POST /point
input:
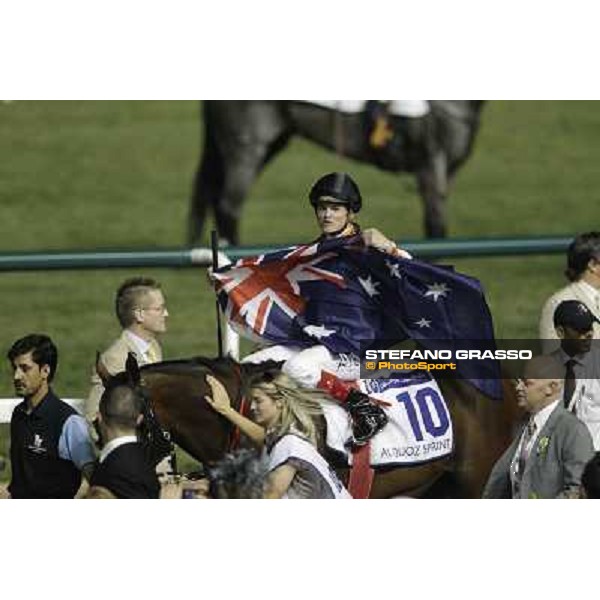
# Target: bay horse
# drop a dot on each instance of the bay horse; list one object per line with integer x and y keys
{"x": 241, "y": 137}
{"x": 174, "y": 393}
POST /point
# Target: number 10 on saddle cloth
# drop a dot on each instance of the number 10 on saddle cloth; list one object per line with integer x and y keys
{"x": 419, "y": 428}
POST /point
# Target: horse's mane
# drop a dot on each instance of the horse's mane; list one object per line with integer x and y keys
{"x": 200, "y": 364}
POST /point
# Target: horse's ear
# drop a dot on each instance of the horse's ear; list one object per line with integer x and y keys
{"x": 132, "y": 368}
{"x": 101, "y": 369}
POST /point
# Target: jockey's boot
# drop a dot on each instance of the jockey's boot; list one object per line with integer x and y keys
{"x": 368, "y": 418}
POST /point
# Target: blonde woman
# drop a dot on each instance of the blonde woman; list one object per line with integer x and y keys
{"x": 284, "y": 429}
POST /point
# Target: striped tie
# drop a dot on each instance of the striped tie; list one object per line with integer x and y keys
{"x": 524, "y": 454}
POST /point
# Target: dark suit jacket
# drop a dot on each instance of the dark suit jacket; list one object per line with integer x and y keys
{"x": 127, "y": 473}
{"x": 555, "y": 464}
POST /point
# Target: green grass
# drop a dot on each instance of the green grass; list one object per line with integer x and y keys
{"x": 84, "y": 175}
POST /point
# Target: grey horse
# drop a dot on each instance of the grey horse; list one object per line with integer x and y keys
{"x": 242, "y": 136}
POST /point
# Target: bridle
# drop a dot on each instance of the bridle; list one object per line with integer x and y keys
{"x": 154, "y": 438}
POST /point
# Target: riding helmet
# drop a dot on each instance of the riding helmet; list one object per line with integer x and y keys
{"x": 339, "y": 187}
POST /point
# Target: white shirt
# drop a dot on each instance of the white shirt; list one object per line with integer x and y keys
{"x": 594, "y": 295}
{"x": 290, "y": 447}
{"x": 539, "y": 419}
{"x": 114, "y": 444}
{"x": 585, "y": 402}
{"x": 140, "y": 343}
{"x": 578, "y": 290}
{"x": 143, "y": 346}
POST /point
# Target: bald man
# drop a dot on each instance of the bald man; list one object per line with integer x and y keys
{"x": 122, "y": 467}
{"x": 547, "y": 458}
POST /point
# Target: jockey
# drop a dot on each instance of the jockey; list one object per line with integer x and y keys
{"x": 336, "y": 200}
{"x": 379, "y": 116}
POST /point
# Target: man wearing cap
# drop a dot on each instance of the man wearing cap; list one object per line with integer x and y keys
{"x": 547, "y": 458}
{"x": 583, "y": 271}
{"x": 580, "y": 357}
{"x": 336, "y": 200}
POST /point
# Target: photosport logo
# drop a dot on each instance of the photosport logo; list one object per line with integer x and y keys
{"x": 456, "y": 359}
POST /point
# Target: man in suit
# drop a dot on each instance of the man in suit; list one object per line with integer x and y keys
{"x": 122, "y": 467}
{"x": 580, "y": 359}
{"x": 548, "y": 456}
{"x": 142, "y": 312}
{"x": 583, "y": 271}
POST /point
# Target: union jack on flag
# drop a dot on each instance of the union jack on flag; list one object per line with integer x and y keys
{"x": 261, "y": 296}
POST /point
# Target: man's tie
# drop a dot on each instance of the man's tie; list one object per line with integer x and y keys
{"x": 151, "y": 354}
{"x": 524, "y": 454}
{"x": 569, "y": 387}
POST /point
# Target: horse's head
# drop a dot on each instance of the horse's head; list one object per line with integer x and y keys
{"x": 156, "y": 440}
{"x": 174, "y": 406}
{"x": 176, "y": 392}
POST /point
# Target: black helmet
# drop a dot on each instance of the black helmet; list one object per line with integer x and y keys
{"x": 338, "y": 187}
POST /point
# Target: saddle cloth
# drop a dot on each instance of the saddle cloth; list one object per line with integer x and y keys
{"x": 401, "y": 108}
{"x": 419, "y": 428}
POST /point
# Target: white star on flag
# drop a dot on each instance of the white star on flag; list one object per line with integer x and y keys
{"x": 437, "y": 290}
{"x": 423, "y": 323}
{"x": 369, "y": 286}
{"x": 318, "y": 332}
{"x": 394, "y": 269}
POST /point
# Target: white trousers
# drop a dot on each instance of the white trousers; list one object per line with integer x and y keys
{"x": 408, "y": 108}
{"x": 305, "y": 365}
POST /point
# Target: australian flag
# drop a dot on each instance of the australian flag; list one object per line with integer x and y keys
{"x": 348, "y": 297}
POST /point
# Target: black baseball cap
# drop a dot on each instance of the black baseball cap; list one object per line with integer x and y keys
{"x": 574, "y": 314}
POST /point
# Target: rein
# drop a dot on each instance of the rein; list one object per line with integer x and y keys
{"x": 158, "y": 439}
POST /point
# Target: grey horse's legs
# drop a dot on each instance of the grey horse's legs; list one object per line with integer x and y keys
{"x": 240, "y": 172}
{"x": 207, "y": 186}
{"x": 433, "y": 187}
{"x": 208, "y": 181}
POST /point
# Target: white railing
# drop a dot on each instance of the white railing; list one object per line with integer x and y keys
{"x": 7, "y": 405}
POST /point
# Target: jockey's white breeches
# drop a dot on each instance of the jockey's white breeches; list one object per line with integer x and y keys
{"x": 408, "y": 108}
{"x": 305, "y": 365}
